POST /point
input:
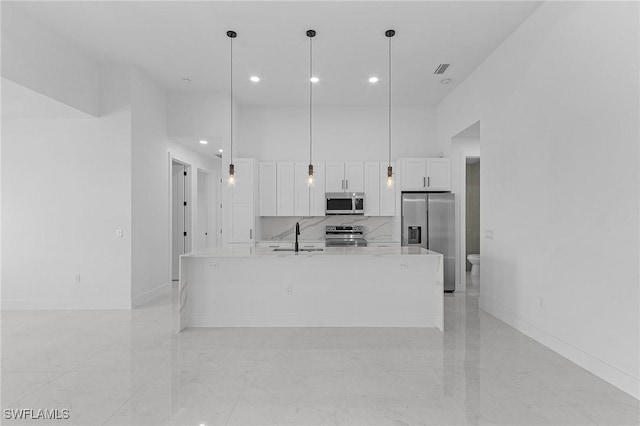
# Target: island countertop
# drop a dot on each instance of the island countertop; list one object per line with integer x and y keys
{"x": 244, "y": 251}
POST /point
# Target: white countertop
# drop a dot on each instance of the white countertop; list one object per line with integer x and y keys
{"x": 244, "y": 251}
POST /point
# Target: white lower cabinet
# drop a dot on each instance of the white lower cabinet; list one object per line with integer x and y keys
{"x": 274, "y": 244}
{"x": 310, "y": 244}
{"x": 381, "y": 244}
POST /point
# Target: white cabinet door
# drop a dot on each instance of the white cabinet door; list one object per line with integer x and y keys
{"x": 414, "y": 174}
{"x": 285, "y": 196}
{"x": 267, "y": 189}
{"x": 242, "y": 223}
{"x": 439, "y": 174}
{"x": 334, "y": 179}
{"x": 387, "y": 195}
{"x": 242, "y": 202}
{"x": 301, "y": 187}
{"x": 243, "y": 188}
{"x": 372, "y": 189}
{"x": 354, "y": 177}
{"x": 317, "y": 201}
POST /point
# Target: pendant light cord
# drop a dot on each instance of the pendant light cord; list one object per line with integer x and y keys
{"x": 231, "y": 103}
{"x": 389, "y": 101}
{"x": 310, "y": 98}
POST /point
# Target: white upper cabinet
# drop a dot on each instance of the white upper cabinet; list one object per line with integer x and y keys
{"x": 439, "y": 174}
{"x": 317, "y": 199}
{"x": 242, "y": 202}
{"x": 414, "y": 177}
{"x": 268, "y": 189}
{"x": 344, "y": 177}
{"x": 425, "y": 174}
{"x": 242, "y": 190}
{"x": 372, "y": 189}
{"x": 387, "y": 195}
{"x": 354, "y": 177}
{"x": 301, "y": 190}
{"x": 334, "y": 178}
{"x": 285, "y": 193}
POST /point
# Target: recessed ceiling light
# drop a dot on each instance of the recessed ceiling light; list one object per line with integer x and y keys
{"x": 203, "y": 142}
{"x": 254, "y": 78}
{"x": 186, "y": 80}
{"x": 446, "y": 81}
{"x": 373, "y": 79}
{"x": 314, "y": 79}
{"x": 220, "y": 150}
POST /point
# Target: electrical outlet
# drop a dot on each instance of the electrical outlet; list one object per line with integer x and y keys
{"x": 119, "y": 233}
{"x": 488, "y": 234}
{"x": 290, "y": 290}
{"x": 213, "y": 265}
{"x": 404, "y": 265}
{"x": 78, "y": 278}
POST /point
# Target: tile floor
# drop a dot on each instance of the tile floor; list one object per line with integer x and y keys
{"x": 128, "y": 368}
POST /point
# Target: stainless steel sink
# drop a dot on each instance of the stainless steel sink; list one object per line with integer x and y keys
{"x": 302, "y": 249}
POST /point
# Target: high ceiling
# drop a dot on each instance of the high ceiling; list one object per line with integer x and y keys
{"x": 173, "y": 40}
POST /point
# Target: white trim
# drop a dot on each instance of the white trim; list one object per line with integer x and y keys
{"x": 65, "y": 304}
{"x": 148, "y": 296}
{"x": 589, "y": 362}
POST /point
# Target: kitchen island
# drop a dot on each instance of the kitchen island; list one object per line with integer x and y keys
{"x": 335, "y": 287}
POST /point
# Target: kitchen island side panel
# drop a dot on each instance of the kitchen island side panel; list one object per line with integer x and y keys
{"x": 312, "y": 291}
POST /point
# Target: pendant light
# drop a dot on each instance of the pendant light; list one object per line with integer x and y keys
{"x": 311, "y": 34}
{"x": 232, "y": 176}
{"x": 389, "y": 34}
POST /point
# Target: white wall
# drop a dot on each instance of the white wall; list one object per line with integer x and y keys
{"x": 340, "y": 133}
{"x": 558, "y": 106}
{"x": 149, "y": 198}
{"x": 66, "y": 188}
{"x": 41, "y": 60}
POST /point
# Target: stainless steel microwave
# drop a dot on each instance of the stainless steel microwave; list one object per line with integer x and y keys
{"x": 345, "y": 203}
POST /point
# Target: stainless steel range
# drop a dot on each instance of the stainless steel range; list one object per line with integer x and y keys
{"x": 344, "y": 236}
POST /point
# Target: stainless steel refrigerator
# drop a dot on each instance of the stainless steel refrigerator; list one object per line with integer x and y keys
{"x": 428, "y": 220}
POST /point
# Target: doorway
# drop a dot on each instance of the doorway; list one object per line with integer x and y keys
{"x": 472, "y": 225}
{"x": 180, "y": 214}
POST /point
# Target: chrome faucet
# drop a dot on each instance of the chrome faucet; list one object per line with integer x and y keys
{"x": 297, "y": 233}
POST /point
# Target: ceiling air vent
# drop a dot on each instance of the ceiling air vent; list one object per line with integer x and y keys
{"x": 441, "y": 69}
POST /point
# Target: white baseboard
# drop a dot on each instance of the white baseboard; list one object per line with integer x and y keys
{"x": 64, "y": 304}
{"x": 591, "y": 363}
{"x": 150, "y": 295}
{"x": 208, "y": 320}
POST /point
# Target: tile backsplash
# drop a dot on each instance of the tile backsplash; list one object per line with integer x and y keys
{"x": 312, "y": 228}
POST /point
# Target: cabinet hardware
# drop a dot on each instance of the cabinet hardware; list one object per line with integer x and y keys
{"x": 347, "y": 183}
{"x": 428, "y": 181}
{"x": 342, "y": 183}
{"x": 251, "y": 234}
{"x": 424, "y": 181}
